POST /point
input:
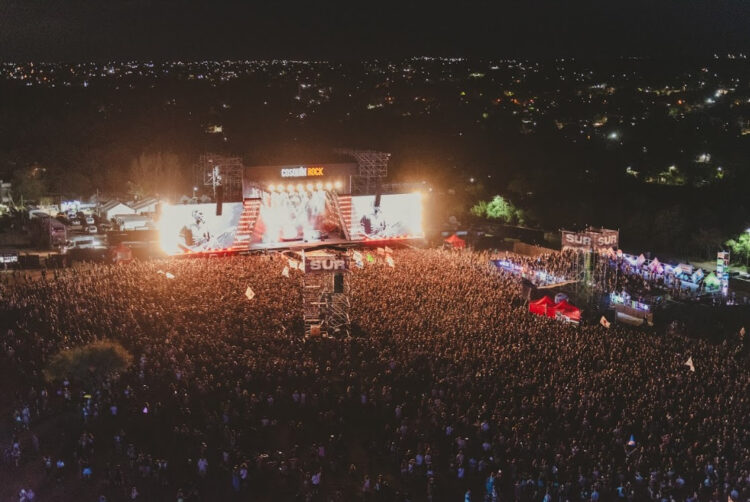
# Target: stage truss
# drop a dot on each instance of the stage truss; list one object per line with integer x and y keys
{"x": 325, "y": 307}
{"x": 373, "y": 168}
{"x": 219, "y": 170}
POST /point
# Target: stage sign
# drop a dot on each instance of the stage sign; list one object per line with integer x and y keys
{"x": 591, "y": 239}
{"x": 326, "y": 264}
{"x": 302, "y": 171}
{"x": 263, "y": 176}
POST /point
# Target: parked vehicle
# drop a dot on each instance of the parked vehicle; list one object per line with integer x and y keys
{"x": 84, "y": 242}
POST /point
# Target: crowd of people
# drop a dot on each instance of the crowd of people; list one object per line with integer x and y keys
{"x": 448, "y": 390}
{"x": 608, "y": 274}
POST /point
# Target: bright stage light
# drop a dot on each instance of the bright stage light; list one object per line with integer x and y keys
{"x": 329, "y": 185}
{"x": 309, "y": 187}
{"x": 319, "y": 185}
{"x": 299, "y": 187}
{"x": 338, "y": 184}
{"x": 272, "y": 187}
{"x": 290, "y": 188}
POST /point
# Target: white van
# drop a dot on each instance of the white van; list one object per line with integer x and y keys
{"x": 85, "y": 242}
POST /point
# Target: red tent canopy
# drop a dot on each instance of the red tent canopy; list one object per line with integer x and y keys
{"x": 542, "y": 306}
{"x": 568, "y": 310}
{"x": 122, "y": 254}
{"x": 456, "y": 241}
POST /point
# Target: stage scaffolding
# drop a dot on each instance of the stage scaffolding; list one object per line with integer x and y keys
{"x": 325, "y": 295}
{"x": 373, "y": 168}
{"x": 219, "y": 170}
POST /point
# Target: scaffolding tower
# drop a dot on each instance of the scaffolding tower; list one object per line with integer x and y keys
{"x": 218, "y": 170}
{"x": 373, "y": 168}
{"x": 325, "y": 295}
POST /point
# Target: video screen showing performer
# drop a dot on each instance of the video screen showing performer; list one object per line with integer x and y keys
{"x": 397, "y": 216}
{"x": 295, "y": 216}
{"x": 196, "y": 227}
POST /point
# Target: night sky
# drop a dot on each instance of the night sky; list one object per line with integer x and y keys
{"x": 77, "y": 30}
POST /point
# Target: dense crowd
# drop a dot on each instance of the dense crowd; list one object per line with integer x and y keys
{"x": 543, "y": 269}
{"x": 448, "y": 391}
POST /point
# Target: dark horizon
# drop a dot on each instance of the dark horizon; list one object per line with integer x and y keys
{"x": 78, "y": 30}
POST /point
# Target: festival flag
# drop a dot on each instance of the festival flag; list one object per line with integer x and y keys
{"x": 249, "y": 293}
{"x": 285, "y": 272}
{"x": 641, "y": 260}
{"x": 169, "y": 275}
{"x": 292, "y": 263}
{"x": 689, "y": 363}
{"x": 604, "y": 322}
{"x": 160, "y": 272}
{"x": 370, "y": 258}
{"x": 389, "y": 261}
{"x": 381, "y": 251}
{"x": 388, "y": 250}
{"x": 357, "y": 257}
{"x": 631, "y": 441}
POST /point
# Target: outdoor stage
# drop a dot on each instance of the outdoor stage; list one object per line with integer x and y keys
{"x": 291, "y": 207}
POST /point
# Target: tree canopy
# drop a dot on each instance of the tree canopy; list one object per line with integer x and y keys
{"x": 89, "y": 363}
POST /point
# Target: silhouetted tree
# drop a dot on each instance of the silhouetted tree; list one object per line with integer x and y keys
{"x": 89, "y": 364}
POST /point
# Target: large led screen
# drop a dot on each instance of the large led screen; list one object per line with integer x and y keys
{"x": 295, "y": 216}
{"x": 398, "y": 216}
{"x": 196, "y": 227}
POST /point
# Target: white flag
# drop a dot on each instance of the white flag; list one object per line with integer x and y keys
{"x": 285, "y": 272}
{"x": 388, "y": 250}
{"x": 689, "y": 364}
{"x": 249, "y": 293}
{"x": 389, "y": 261}
{"x": 169, "y": 275}
{"x": 604, "y": 322}
{"x": 161, "y": 272}
{"x": 381, "y": 251}
{"x": 357, "y": 256}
